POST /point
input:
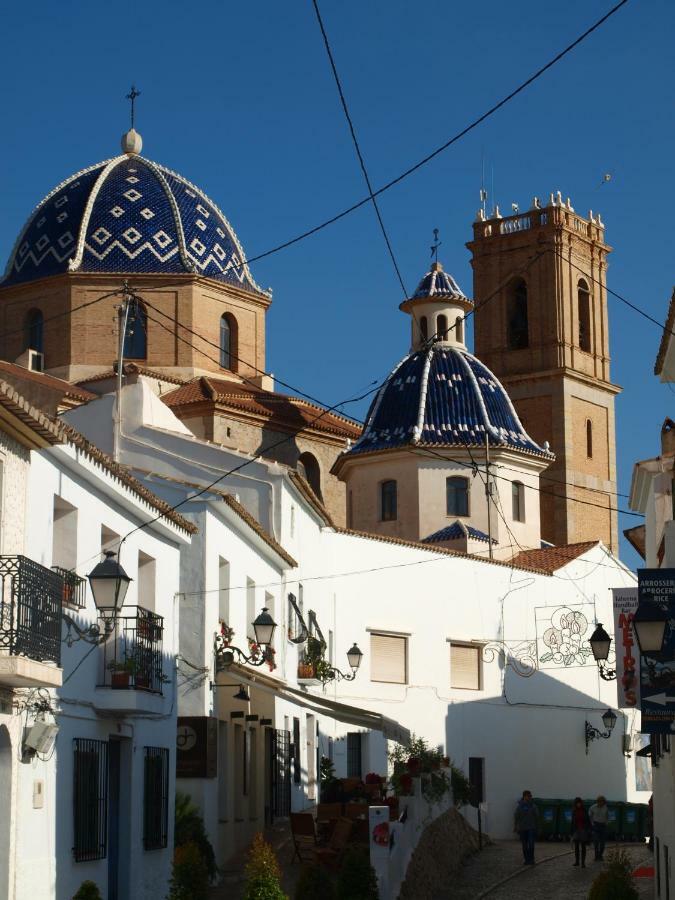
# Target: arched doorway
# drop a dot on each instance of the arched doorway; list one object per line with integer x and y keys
{"x": 6, "y": 817}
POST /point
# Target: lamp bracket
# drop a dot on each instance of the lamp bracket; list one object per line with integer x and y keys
{"x": 592, "y": 733}
{"x": 605, "y": 672}
{"x": 226, "y": 654}
{"x": 91, "y": 634}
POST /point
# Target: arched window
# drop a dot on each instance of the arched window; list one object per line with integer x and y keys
{"x": 136, "y": 334}
{"x": 308, "y": 467}
{"x": 457, "y": 496}
{"x": 459, "y": 329}
{"x": 229, "y": 342}
{"x": 424, "y": 328}
{"x": 442, "y": 328}
{"x": 518, "y": 501}
{"x": 35, "y": 330}
{"x": 589, "y": 439}
{"x": 584, "y": 310}
{"x": 388, "y": 501}
{"x": 516, "y": 316}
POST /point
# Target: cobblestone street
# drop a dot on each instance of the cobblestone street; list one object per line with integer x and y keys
{"x": 553, "y": 878}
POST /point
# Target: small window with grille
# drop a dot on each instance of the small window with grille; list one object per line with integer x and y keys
{"x": 155, "y": 798}
{"x": 90, "y": 801}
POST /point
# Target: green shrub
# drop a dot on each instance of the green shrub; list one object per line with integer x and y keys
{"x": 356, "y": 878}
{"x": 263, "y": 875}
{"x": 461, "y": 786}
{"x": 87, "y": 891}
{"x": 315, "y": 882}
{"x": 189, "y": 829}
{"x": 616, "y": 881}
{"x": 189, "y": 875}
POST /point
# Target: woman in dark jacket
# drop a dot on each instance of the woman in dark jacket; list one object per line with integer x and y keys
{"x": 581, "y": 831}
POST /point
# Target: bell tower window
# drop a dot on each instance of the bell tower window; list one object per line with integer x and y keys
{"x": 516, "y": 312}
{"x": 584, "y": 311}
{"x": 388, "y": 501}
{"x": 518, "y": 501}
{"x": 424, "y": 328}
{"x": 457, "y": 496}
{"x": 459, "y": 329}
{"x": 136, "y": 333}
{"x": 35, "y": 330}
{"x": 308, "y": 467}
{"x": 228, "y": 342}
{"x": 589, "y": 439}
{"x": 442, "y": 328}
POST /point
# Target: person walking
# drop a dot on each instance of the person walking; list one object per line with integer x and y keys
{"x": 581, "y": 831}
{"x": 525, "y": 822}
{"x": 598, "y": 814}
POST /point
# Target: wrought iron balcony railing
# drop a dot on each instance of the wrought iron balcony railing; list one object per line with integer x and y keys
{"x": 74, "y": 588}
{"x": 30, "y": 609}
{"x": 132, "y": 655}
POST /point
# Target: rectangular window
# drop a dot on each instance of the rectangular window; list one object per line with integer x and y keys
{"x": 250, "y": 608}
{"x": 155, "y": 798}
{"x": 465, "y": 667}
{"x": 388, "y": 658}
{"x": 90, "y": 799}
{"x": 146, "y": 581}
{"x": 297, "y": 771}
{"x": 477, "y": 778}
{"x": 224, "y": 590}
{"x": 110, "y": 540}
{"x": 388, "y": 501}
{"x": 457, "y": 496}
{"x": 518, "y": 501}
{"x": 64, "y": 535}
{"x": 350, "y": 510}
{"x": 246, "y": 762}
{"x": 354, "y": 766}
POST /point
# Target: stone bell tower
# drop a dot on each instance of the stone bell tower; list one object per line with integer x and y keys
{"x": 541, "y": 326}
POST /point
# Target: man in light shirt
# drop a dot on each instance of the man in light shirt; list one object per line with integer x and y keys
{"x": 598, "y": 814}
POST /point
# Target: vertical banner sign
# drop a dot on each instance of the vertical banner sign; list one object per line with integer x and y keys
{"x": 657, "y": 671}
{"x": 627, "y": 653}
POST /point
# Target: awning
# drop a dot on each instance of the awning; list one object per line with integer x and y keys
{"x": 352, "y": 715}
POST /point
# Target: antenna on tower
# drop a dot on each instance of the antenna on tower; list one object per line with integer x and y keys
{"x": 436, "y": 244}
{"x": 483, "y": 192}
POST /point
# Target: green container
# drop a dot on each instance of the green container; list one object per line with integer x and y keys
{"x": 631, "y": 822}
{"x": 613, "y": 821}
{"x": 565, "y": 808}
{"x": 548, "y": 819}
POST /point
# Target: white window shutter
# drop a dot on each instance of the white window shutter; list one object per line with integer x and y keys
{"x": 388, "y": 658}
{"x": 465, "y": 667}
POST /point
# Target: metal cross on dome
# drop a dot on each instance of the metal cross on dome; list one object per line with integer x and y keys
{"x": 132, "y": 97}
{"x": 436, "y": 244}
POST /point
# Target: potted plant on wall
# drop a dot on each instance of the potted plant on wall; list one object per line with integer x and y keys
{"x": 121, "y": 672}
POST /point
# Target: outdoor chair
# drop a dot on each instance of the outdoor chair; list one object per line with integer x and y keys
{"x": 304, "y": 837}
{"x": 331, "y": 855}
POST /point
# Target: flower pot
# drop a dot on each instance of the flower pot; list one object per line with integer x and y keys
{"x": 305, "y": 670}
{"x": 142, "y": 681}
{"x": 119, "y": 679}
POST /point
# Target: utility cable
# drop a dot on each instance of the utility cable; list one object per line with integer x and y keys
{"x": 362, "y": 163}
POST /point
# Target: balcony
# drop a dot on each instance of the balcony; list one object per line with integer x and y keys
{"x": 132, "y": 677}
{"x": 74, "y": 592}
{"x": 30, "y": 623}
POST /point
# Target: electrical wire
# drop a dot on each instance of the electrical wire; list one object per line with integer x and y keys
{"x": 355, "y": 141}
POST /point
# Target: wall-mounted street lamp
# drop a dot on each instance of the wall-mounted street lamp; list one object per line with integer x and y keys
{"x": 592, "y": 733}
{"x": 261, "y": 651}
{"x": 354, "y": 658}
{"x": 649, "y": 625}
{"x": 109, "y": 585}
{"x": 600, "y": 643}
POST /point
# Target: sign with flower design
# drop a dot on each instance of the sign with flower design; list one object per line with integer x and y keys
{"x": 563, "y": 634}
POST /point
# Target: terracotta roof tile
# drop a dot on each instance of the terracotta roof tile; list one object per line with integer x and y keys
{"x": 69, "y": 390}
{"x": 132, "y": 369}
{"x": 253, "y": 523}
{"x": 668, "y": 329}
{"x": 283, "y": 410}
{"x": 55, "y": 431}
{"x": 306, "y": 490}
{"x": 551, "y": 558}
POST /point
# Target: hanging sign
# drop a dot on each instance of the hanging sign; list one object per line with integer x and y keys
{"x": 657, "y": 672}
{"x": 627, "y": 662}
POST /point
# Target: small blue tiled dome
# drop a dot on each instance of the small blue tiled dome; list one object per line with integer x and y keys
{"x": 457, "y": 531}
{"x": 439, "y": 285}
{"x": 443, "y": 396}
{"x": 128, "y": 215}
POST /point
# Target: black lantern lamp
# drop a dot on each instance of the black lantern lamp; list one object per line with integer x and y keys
{"x": 354, "y": 657}
{"x": 591, "y": 733}
{"x": 649, "y": 625}
{"x": 109, "y": 584}
{"x": 260, "y": 650}
{"x": 600, "y": 643}
{"x": 242, "y": 694}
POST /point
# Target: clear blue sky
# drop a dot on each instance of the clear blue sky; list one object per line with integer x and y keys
{"x": 239, "y": 98}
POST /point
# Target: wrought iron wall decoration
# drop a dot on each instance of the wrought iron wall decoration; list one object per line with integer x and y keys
{"x": 521, "y": 656}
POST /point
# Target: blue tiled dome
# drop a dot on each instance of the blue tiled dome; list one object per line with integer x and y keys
{"x": 455, "y": 532}
{"x": 440, "y": 285}
{"x": 128, "y": 215}
{"x": 443, "y": 396}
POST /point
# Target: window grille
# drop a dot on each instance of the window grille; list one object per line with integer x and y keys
{"x": 354, "y": 769}
{"x": 280, "y": 761}
{"x": 465, "y": 667}
{"x": 90, "y": 799}
{"x": 388, "y": 658}
{"x": 155, "y": 798}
